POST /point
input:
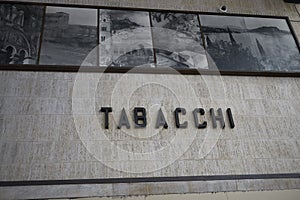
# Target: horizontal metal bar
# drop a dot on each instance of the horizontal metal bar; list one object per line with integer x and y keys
{"x": 149, "y": 179}
{"x": 143, "y": 70}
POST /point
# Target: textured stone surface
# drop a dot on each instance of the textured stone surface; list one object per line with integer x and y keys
{"x": 90, "y": 193}
{"x": 40, "y": 140}
{"x": 257, "y": 7}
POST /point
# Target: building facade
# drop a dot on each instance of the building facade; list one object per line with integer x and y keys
{"x": 187, "y": 99}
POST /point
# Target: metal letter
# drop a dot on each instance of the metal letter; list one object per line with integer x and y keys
{"x": 183, "y": 112}
{"x": 138, "y": 118}
{"x": 106, "y": 110}
{"x": 230, "y": 117}
{"x": 161, "y": 121}
{"x": 123, "y": 120}
{"x": 219, "y": 118}
{"x": 202, "y": 112}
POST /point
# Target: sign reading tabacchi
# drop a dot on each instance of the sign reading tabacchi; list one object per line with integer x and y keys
{"x": 140, "y": 118}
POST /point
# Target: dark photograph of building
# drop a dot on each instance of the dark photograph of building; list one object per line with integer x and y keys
{"x": 249, "y": 44}
{"x": 70, "y": 34}
{"x": 20, "y": 29}
{"x": 177, "y": 40}
{"x": 125, "y": 38}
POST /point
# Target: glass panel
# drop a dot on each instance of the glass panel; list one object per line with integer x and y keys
{"x": 126, "y": 39}
{"x": 20, "y": 29}
{"x": 249, "y": 44}
{"x": 228, "y": 43}
{"x": 70, "y": 34}
{"x": 273, "y": 44}
{"x": 177, "y": 40}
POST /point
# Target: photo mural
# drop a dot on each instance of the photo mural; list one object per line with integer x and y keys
{"x": 125, "y": 38}
{"x": 177, "y": 40}
{"x": 65, "y": 36}
{"x": 275, "y": 48}
{"x": 20, "y": 29}
{"x": 250, "y": 44}
{"x": 69, "y": 35}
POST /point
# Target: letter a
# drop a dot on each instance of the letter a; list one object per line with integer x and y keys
{"x": 123, "y": 120}
{"x": 161, "y": 121}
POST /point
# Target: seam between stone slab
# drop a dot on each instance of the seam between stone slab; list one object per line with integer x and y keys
{"x": 149, "y": 179}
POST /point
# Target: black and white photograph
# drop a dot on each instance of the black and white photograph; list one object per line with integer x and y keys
{"x": 249, "y": 44}
{"x": 228, "y": 43}
{"x": 273, "y": 44}
{"x": 70, "y": 34}
{"x": 177, "y": 40}
{"x": 20, "y": 30}
{"x": 125, "y": 38}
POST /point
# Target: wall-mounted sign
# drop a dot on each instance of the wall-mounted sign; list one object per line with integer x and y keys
{"x": 140, "y": 118}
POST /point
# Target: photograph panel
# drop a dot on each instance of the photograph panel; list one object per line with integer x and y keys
{"x": 228, "y": 43}
{"x": 125, "y": 38}
{"x": 20, "y": 30}
{"x": 249, "y": 43}
{"x": 177, "y": 40}
{"x": 273, "y": 44}
{"x": 70, "y": 34}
